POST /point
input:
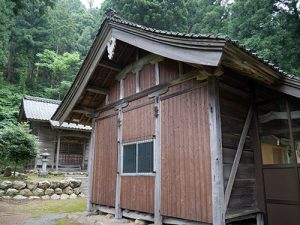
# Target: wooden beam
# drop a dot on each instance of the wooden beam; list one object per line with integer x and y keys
{"x": 110, "y": 65}
{"x": 238, "y": 155}
{"x": 57, "y": 151}
{"x": 278, "y": 116}
{"x": 137, "y": 65}
{"x": 97, "y": 90}
{"x": 218, "y": 212}
{"x": 90, "y": 167}
{"x": 185, "y": 77}
{"x": 157, "y": 162}
{"x": 118, "y": 210}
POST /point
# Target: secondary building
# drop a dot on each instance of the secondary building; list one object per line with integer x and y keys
{"x": 187, "y": 128}
{"x": 67, "y": 144}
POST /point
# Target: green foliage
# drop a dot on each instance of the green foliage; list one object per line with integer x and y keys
{"x": 17, "y": 145}
{"x": 10, "y": 98}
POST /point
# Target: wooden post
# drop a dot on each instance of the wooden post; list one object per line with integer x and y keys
{"x": 83, "y": 155}
{"x": 157, "y": 73}
{"x": 90, "y": 167}
{"x": 118, "y": 213}
{"x": 157, "y": 162}
{"x": 218, "y": 212}
{"x": 259, "y": 219}
{"x": 57, "y": 151}
{"x": 237, "y": 157}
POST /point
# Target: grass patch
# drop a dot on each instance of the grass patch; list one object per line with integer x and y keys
{"x": 39, "y": 208}
{"x": 33, "y": 177}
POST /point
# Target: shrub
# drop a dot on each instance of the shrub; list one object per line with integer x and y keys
{"x": 17, "y": 144}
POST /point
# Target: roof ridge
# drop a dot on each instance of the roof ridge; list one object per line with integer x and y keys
{"x": 112, "y": 15}
{"x": 40, "y": 99}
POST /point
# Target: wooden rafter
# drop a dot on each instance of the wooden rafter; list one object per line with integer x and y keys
{"x": 111, "y": 65}
{"x": 97, "y": 90}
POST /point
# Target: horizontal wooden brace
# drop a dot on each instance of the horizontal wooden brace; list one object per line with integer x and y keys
{"x": 83, "y": 110}
{"x": 97, "y": 90}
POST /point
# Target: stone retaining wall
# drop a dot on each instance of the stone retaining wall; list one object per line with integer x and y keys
{"x": 20, "y": 190}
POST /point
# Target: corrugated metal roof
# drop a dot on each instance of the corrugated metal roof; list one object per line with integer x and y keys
{"x": 42, "y": 109}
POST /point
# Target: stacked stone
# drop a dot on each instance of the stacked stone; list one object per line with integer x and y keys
{"x": 20, "y": 190}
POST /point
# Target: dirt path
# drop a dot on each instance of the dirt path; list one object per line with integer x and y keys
{"x": 11, "y": 214}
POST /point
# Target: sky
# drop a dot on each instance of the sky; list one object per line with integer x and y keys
{"x": 96, "y": 4}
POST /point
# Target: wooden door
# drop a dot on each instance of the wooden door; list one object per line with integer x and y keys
{"x": 279, "y": 123}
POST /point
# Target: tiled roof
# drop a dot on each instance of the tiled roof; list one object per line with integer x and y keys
{"x": 112, "y": 16}
{"x": 42, "y": 109}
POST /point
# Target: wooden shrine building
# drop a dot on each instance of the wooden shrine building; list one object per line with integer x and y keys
{"x": 187, "y": 128}
{"x": 67, "y": 144}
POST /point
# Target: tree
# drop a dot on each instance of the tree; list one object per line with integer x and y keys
{"x": 17, "y": 145}
{"x": 60, "y": 70}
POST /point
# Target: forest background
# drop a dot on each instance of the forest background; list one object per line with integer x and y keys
{"x": 43, "y": 42}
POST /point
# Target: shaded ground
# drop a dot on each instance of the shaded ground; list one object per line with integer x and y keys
{"x": 52, "y": 212}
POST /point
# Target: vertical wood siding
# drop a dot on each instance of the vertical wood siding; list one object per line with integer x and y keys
{"x": 147, "y": 77}
{"x": 105, "y": 162}
{"x": 169, "y": 70}
{"x": 138, "y": 124}
{"x": 129, "y": 84}
{"x": 114, "y": 92}
{"x": 137, "y": 193}
{"x": 185, "y": 157}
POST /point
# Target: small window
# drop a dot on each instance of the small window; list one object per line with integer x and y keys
{"x": 138, "y": 158}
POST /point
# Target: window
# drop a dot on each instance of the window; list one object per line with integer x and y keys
{"x": 137, "y": 158}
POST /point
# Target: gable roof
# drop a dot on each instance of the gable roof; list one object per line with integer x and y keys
{"x": 194, "y": 49}
{"x": 42, "y": 109}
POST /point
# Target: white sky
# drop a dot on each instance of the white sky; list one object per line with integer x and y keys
{"x": 96, "y": 3}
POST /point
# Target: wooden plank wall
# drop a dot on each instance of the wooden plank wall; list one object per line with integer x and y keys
{"x": 105, "y": 162}
{"x": 235, "y": 98}
{"x": 185, "y": 155}
{"x": 46, "y": 140}
{"x": 137, "y": 192}
{"x": 147, "y": 77}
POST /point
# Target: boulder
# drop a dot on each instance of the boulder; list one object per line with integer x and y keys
{"x": 55, "y": 197}
{"x": 38, "y": 192}
{"x": 19, "y": 197}
{"x": 76, "y": 191}
{"x": 73, "y": 196}
{"x": 2, "y": 193}
{"x": 44, "y": 184}
{"x": 7, "y": 172}
{"x": 140, "y": 222}
{"x": 19, "y": 185}
{"x": 6, "y": 184}
{"x": 26, "y": 192}
{"x": 31, "y": 185}
{"x": 45, "y": 197}
{"x": 81, "y": 195}
{"x": 54, "y": 184}
{"x": 6, "y": 197}
{"x": 12, "y": 191}
{"x": 33, "y": 197}
{"x": 49, "y": 191}
{"x": 63, "y": 184}
{"x": 74, "y": 183}
{"x": 68, "y": 190}
{"x": 58, "y": 191}
{"x": 64, "y": 197}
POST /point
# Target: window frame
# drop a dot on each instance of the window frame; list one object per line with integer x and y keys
{"x": 137, "y": 152}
